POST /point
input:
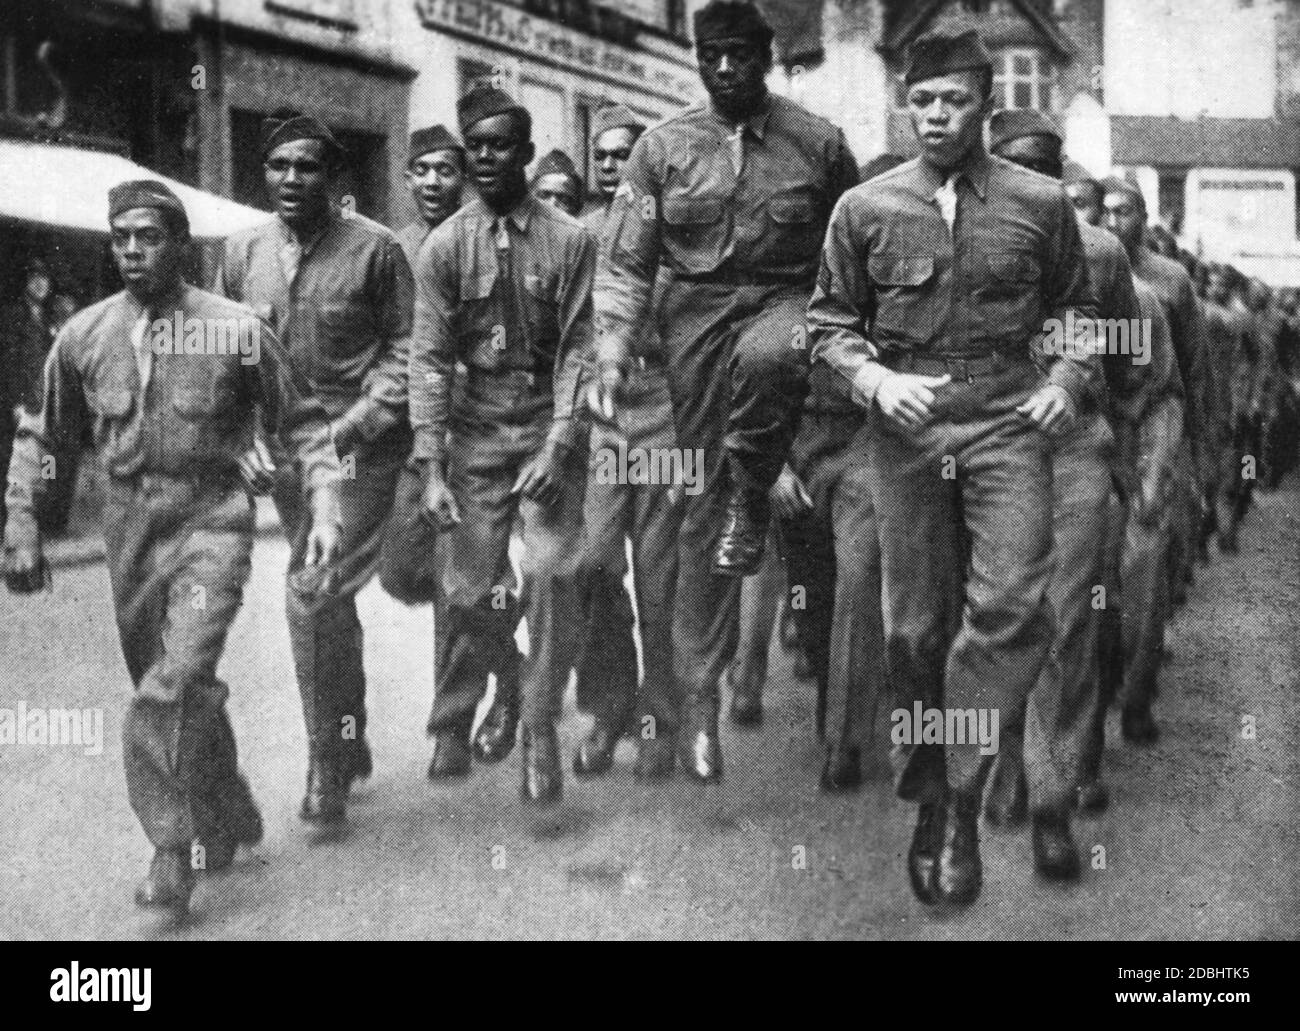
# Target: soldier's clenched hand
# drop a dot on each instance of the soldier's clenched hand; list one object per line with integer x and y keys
{"x": 541, "y": 479}
{"x": 438, "y": 504}
{"x": 789, "y": 497}
{"x": 257, "y": 468}
{"x": 604, "y": 394}
{"x": 1049, "y": 408}
{"x": 907, "y": 398}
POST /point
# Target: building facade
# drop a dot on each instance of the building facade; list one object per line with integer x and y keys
{"x": 1198, "y": 99}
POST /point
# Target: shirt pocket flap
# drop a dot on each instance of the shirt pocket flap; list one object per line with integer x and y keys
{"x": 193, "y": 401}
{"x": 477, "y": 288}
{"x": 112, "y": 402}
{"x": 1013, "y": 267}
{"x": 791, "y": 209}
{"x": 900, "y": 270}
{"x": 539, "y": 286}
{"x": 692, "y": 211}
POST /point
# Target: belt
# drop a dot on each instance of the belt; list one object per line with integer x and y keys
{"x": 967, "y": 368}
{"x": 517, "y": 377}
{"x": 735, "y": 277}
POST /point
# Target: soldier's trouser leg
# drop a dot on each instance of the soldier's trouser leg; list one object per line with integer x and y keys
{"x": 552, "y": 551}
{"x": 324, "y": 628}
{"x": 656, "y": 523}
{"x": 760, "y": 603}
{"x": 607, "y": 669}
{"x": 1059, "y": 710}
{"x": 1110, "y": 651}
{"x": 856, "y": 676}
{"x": 976, "y": 465}
{"x": 650, "y": 513}
{"x": 718, "y": 338}
{"x": 1145, "y": 587}
{"x": 179, "y": 554}
{"x": 769, "y": 378}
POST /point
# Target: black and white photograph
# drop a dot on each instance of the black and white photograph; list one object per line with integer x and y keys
{"x": 651, "y": 470}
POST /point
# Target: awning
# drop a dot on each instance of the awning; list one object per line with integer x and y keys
{"x": 67, "y": 188}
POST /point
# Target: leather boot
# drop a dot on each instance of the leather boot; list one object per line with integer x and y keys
{"x": 360, "y": 764}
{"x": 450, "y": 755}
{"x": 326, "y": 797}
{"x": 169, "y": 882}
{"x": 1091, "y": 797}
{"x": 923, "y": 855}
{"x": 235, "y": 821}
{"x": 699, "y": 750}
{"x": 1055, "y": 854}
{"x": 595, "y": 755}
{"x": 656, "y": 758}
{"x": 1138, "y": 725}
{"x": 542, "y": 781}
{"x": 960, "y": 874}
{"x": 744, "y": 532}
{"x": 746, "y": 699}
{"x": 500, "y": 728}
{"x": 842, "y": 770}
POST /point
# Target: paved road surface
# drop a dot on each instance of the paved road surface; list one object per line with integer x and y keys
{"x": 1201, "y": 840}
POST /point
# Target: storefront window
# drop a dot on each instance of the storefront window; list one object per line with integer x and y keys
{"x": 1024, "y": 77}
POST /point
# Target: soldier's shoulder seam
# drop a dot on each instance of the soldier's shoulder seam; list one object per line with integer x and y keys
{"x": 689, "y": 114}
{"x": 794, "y": 110}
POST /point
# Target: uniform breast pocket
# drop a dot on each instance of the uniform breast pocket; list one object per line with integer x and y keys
{"x": 112, "y": 401}
{"x": 693, "y": 231}
{"x": 1011, "y": 292}
{"x": 542, "y": 306}
{"x": 794, "y": 229}
{"x": 903, "y": 287}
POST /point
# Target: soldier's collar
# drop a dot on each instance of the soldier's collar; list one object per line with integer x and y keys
{"x": 521, "y": 214}
{"x": 755, "y": 123}
{"x": 160, "y": 307}
{"x": 975, "y": 170}
{"x": 289, "y": 236}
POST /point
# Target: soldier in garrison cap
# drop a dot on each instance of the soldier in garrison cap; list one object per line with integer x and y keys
{"x": 557, "y": 183}
{"x": 1084, "y": 191}
{"x": 1125, "y": 215}
{"x": 1102, "y": 447}
{"x": 614, "y": 510}
{"x": 435, "y": 173}
{"x": 936, "y": 282}
{"x": 337, "y": 288}
{"x": 732, "y": 197}
{"x": 504, "y": 287}
{"x": 172, "y": 427}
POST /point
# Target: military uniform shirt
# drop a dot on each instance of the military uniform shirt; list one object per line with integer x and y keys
{"x": 683, "y": 203}
{"x": 894, "y": 280}
{"x": 345, "y": 319}
{"x": 535, "y": 319}
{"x": 193, "y": 417}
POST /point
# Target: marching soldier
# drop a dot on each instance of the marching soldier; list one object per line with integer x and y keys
{"x": 1140, "y": 379}
{"x": 504, "y": 286}
{"x": 647, "y": 513}
{"x": 557, "y": 183}
{"x": 337, "y": 288}
{"x": 435, "y": 173}
{"x": 935, "y": 284}
{"x": 1242, "y": 410}
{"x": 1125, "y": 216}
{"x": 733, "y": 198}
{"x": 171, "y": 429}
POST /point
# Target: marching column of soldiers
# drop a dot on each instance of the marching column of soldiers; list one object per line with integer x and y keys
{"x": 905, "y": 370}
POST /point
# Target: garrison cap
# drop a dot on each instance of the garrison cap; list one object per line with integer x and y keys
{"x": 147, "y": 193}
{"x": 282, "y": 128}
{"x": 426, "y": 141}
{"x": 484, "y": 102}
{"x": 616, "y": 116}
{"x": 941, "y": 54}
{"x": 1115, "y": 184}
{"x": 1073, "y": 172}
{"x": 558, "y": 163}
{"x": 721, "y": 19}
{"x": 1010, "y": 124}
